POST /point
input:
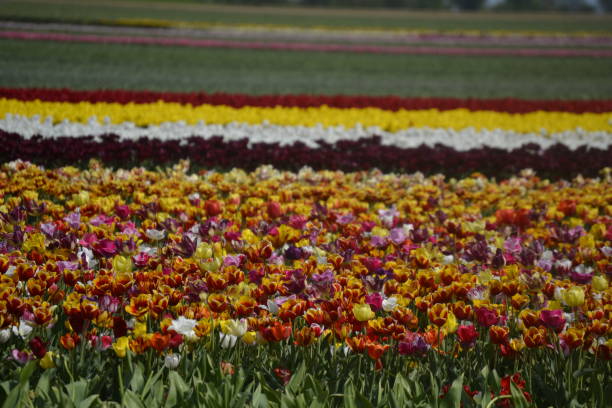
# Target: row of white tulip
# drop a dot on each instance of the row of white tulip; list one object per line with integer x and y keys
{"x": 460, "y": 140}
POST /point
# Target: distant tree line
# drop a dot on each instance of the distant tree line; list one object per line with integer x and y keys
{"x": 542, "y": 5}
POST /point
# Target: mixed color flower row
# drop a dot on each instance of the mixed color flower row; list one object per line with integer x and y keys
{"x": 314, "y": 35}
{"x": 368, "y": 30}
{"x": 304, "y": 46}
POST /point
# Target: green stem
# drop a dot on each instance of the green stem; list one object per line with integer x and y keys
{"x": 120, "y": 376}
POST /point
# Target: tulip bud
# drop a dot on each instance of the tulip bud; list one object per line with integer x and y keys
{"x": 47, "y": 361}
{"x": 120, "y": 346}
{"x": 171, "y": 361}
{"x": 5, "y": 335}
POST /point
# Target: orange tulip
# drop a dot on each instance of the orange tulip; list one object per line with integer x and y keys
{"x": 438, "y": 314}
{"x": 499, "y": 334}
{"x": 534, "y": 337}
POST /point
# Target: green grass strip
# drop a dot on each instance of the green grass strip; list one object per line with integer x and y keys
{"x": 304, "y": 17}
{"x": 105, "y": 66}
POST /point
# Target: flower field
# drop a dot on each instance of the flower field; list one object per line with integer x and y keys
{"x": 279, "y": 249}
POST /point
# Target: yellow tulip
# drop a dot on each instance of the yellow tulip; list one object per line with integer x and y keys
{"x": 34, "y": 241}
{"x": 81, "y": 199}
{"x": 574, "y": 296}
{"x": 250, "y": 338}
{"x": 120, "y": 346}
{"x": 363, "y": 312}
{"x": 451, "y": 323}
{"x": 140, "y": 329}
{"x": 47, "y": 361}
{"x": 122, "y": 264}
{"x": 600, "y": 283}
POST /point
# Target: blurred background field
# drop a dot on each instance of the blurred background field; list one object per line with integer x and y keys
{"x": 99, "y": 65}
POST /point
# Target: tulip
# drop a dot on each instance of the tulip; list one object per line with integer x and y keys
{"x": 212, "y": 207}
{"x": 363, "y": 312}
{"x": 171, "y": 361}
{"x": 553, "y": 319}
{"x": 574, "y": 296}
{"x": 227, "y": 368}
{"x": 47, "y": 361}
{"x": 451, "y": 323}
{"x": 438, "y": 314}
{"x": 122, "y": 264}
{"x": 184, "y": 327}
{"x": 274, "y": 209}
{"x": 534, "y": 337}
{"x": 498, "y": 334}
{"x": 236, "y": 328}
{"x": 121, "y": 345}
{"x": 140, "y": 329}
{"x": 599, "y": 283}
{"x": 467, "y": 335}
{"x": 389, "y": 304}
{"x": 38, "y": 347}
{"x": 250, "y": 338}
{"x": 5, "y": 335}
{"x": 573, "y": 337}
{"x": 155, "y": 235}
{"x": 375, "y": 301}
{"x": 486, "y": 317}
{"x": 227, "y": 340}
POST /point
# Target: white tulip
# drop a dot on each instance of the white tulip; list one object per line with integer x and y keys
{"x": 23, "y": 330}
{"x": 460, "y": 140}
{"x": 389, "y": 304}
{"x": 227, "y": 340}
{"x": 171, "y": 361}
{"x": 5, "y": 335}
{"x": 154, "y": 234}
{"x": 184, "y": 326}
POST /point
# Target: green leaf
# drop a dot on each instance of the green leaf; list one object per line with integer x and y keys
{"x": 452, "y": 399}
{"x": 6, "y": 387}
{"x": 259, "y": 399}
{"x": 597, "y": 394}
{"x": 88, "y": 402}
{"x": 131, "y": 400}
{"x": 137, "y": 380}
{"x": 316, "y": 386}
{"x": 152, "y": 382}
{"x": 295, "y": 382}
{"x": 14, "y": 397}
{"x": 177, "y": 390}
{"x": 44, "y": 386}
{"x": 435, "y": 391}
{"x": 353, "y": 398}
{"x": 518, "y": 398}
{"x": 26, "y": 372}
{"x": 77, "y": 390}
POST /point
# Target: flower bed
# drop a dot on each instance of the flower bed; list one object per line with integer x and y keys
{"x": 496, "y": 137}
{"x": 254, "y": 286}
{"x": 272, "y": 285}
